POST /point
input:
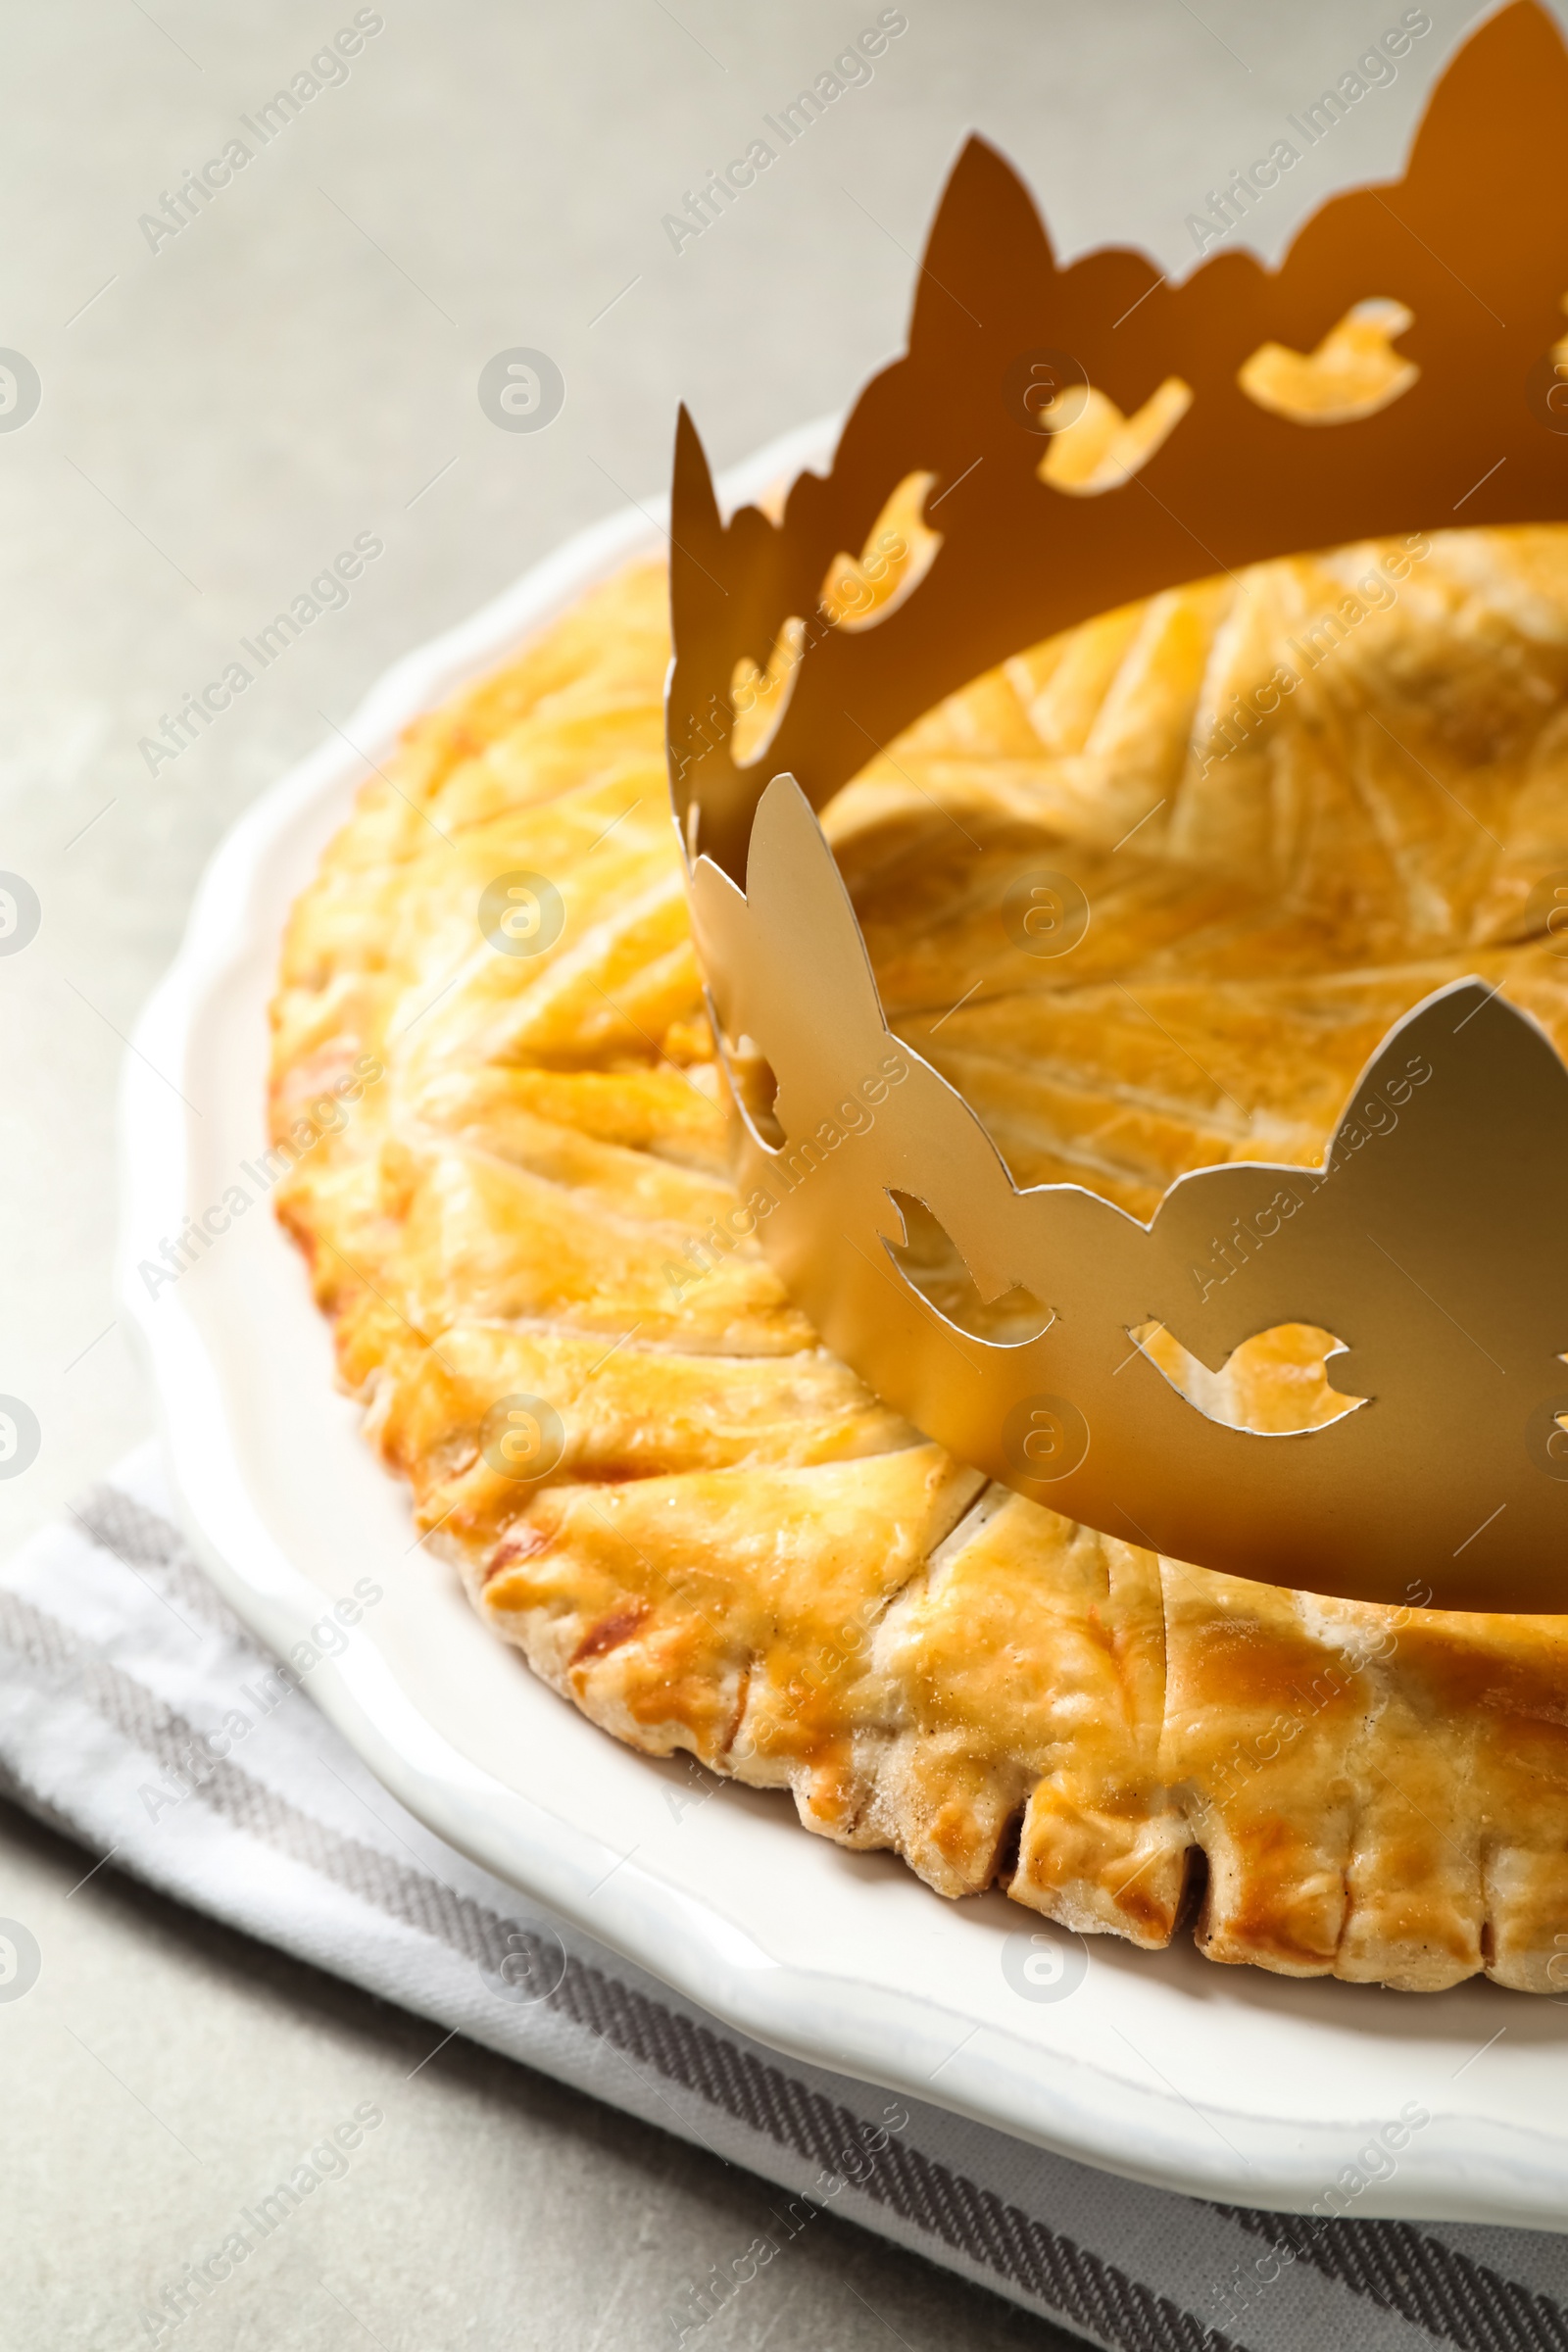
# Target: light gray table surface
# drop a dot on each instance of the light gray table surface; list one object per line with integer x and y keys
{"x": 220, "y": 416}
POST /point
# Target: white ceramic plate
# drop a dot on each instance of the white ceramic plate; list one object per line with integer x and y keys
{"x": 1226, "y": 2083}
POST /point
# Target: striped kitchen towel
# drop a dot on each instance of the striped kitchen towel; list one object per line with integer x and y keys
{"x": 138, "y": 1716}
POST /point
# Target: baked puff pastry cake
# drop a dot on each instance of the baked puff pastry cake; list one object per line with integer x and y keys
{"x": 703, "y": 1529}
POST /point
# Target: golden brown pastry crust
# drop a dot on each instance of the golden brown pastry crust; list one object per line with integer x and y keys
{"x": 742, "y": 1552}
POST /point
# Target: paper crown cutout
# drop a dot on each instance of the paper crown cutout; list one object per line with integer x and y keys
{"x": 1450, "y": 1475}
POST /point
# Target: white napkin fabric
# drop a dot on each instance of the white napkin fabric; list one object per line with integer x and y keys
{"x": 140, "y": 1718}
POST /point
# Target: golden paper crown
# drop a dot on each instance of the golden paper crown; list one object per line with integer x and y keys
{"x": 1468, "y": 1098}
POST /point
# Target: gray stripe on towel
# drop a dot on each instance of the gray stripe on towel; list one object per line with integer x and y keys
{"x": 1396, "y": 2264}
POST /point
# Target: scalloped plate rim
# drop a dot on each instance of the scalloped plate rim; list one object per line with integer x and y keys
{"x": 1475, "y": 2162}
